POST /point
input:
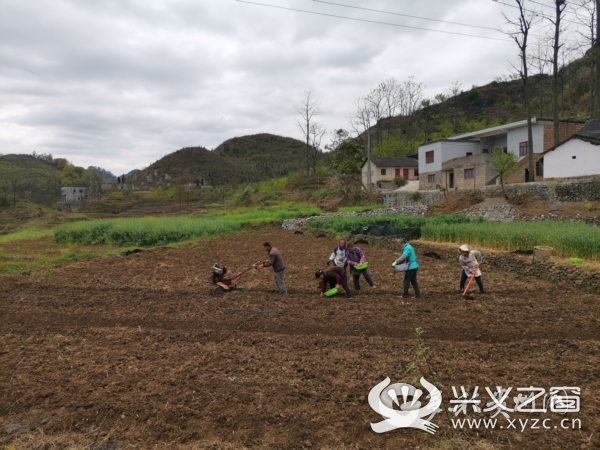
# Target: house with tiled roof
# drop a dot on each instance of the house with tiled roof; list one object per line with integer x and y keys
{"x": 385, "y": 170}
{"x": 575, "y": 157}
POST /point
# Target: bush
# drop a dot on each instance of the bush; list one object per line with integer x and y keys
{"x": 400, "y": 181}
{"x": 116, "y": 196}
{"x": 415, "y": 196}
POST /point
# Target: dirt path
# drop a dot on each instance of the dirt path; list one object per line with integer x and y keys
{"x": 139, "y": 351}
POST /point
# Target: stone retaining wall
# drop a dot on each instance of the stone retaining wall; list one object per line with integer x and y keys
{"x": 585, "y": 190}
{"x": 406, "y": 198}
{"x": 494, "y": 213}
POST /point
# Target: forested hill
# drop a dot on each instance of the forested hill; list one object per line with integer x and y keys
{"x": 239, "y": 160}
{"x": 461, "y": 109}
{"x": 268, "y": 155}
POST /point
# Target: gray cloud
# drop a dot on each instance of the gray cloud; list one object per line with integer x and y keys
{"x": 120, "y": 83}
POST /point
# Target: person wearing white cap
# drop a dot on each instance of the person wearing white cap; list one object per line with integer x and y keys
{"x": 470, "y": 260}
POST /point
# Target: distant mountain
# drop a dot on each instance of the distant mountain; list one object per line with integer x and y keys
{"x": 239, "y": 160}
{"x": 132, "y": 172}
{"x": 102, "y": 173}
{"x": 267, "y": 155}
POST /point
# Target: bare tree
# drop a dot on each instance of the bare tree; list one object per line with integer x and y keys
{"x": 317, "y": 131}
{"x": 392, "y": 94}
{"x": 540, "y": 59}
{"x": 376, "y": 103}
{"x": 596, "y": 50}
{"x": 308, "y": 108}
{"x": 360, "y": 120}
{"x": 586, "y": 15}
{"x": 559, "y": 11}
{"x": 519, "y": 32}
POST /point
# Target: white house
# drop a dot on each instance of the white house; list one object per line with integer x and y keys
{"x": 453, "y": 162}
{"x": 578, "y": 156}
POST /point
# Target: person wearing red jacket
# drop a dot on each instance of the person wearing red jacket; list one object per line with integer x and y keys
{"x": 333, "y": 277}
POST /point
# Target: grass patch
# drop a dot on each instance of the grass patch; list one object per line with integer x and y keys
{"x": 347, "y": 224}
{"x": 152, "y": 231}
{"x": 350, "y": 209}
{"x": 25, "y": 236}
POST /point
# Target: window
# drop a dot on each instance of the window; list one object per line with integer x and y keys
{"x": 431, "y": 178}
{"x": 469, "y": 173}
{"x": 523, "y": 148}
{"x": 383, "y": 171}
{"x": 485, "y": 150}
{"x": 469, "y": 153}
{"x": 574, "y": 157}
{"x": 429, "y": 157}
{"x": 416, "y": 172}
{"x": 397, "y": 172}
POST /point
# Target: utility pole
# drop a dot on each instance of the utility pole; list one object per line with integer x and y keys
{"x": 369, "y": 162}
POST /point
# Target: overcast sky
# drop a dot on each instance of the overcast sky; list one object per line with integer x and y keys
{"x": 120, "y": 83}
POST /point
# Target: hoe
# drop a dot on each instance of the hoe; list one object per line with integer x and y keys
{"x": 225, "y": 282}
{"x": 471, "y": 278}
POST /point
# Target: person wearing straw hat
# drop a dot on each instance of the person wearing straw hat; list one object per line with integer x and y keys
{"x": 469, "y": 261}
{"x": 408, "y": 257}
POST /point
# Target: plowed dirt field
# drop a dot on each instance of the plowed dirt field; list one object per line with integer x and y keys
{"x": 139, "y": 352}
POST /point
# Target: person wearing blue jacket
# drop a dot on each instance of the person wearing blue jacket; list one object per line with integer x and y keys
{"x": 410, "y": 276}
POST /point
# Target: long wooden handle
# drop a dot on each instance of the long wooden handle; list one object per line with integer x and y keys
{"x": 471, "y": 280}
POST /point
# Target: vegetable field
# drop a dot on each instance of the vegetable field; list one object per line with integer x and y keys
{"x": 569, "y": 239}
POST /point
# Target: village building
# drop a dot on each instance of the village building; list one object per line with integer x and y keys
{"x": 576, "y": 157}
{"x": 74, "y": 194}
{"x": 385, "y": 170}
{"x": 464, "y": 161}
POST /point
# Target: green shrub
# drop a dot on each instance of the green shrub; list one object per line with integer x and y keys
{"x": 116, "y": 196}
{"x": 415, "y": 196}
{"x": 400, "y": 181}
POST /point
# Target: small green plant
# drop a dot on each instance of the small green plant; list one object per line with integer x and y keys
{"x": 116, "y": 196}
{"x": 47, "y": 273}
{"x": 415, "y": 196}
{"x": 589, "y": 207}
{"x": 422, "y": 353}
{"x": 400, "y": 181}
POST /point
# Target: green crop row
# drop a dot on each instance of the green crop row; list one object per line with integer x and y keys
{"x": 151, "y": 231}
{"x": 568, "y": 239}
{"x": 347, "y": 224}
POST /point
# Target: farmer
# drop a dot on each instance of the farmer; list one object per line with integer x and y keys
{"x": 276, "y": 261}
{"x": 339, "y": 257}
{"x": 470, "y": 260}
{"x": 355, "y": 257}
{"x": 333, "y": 277}
{"x": 409, "y": 258}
